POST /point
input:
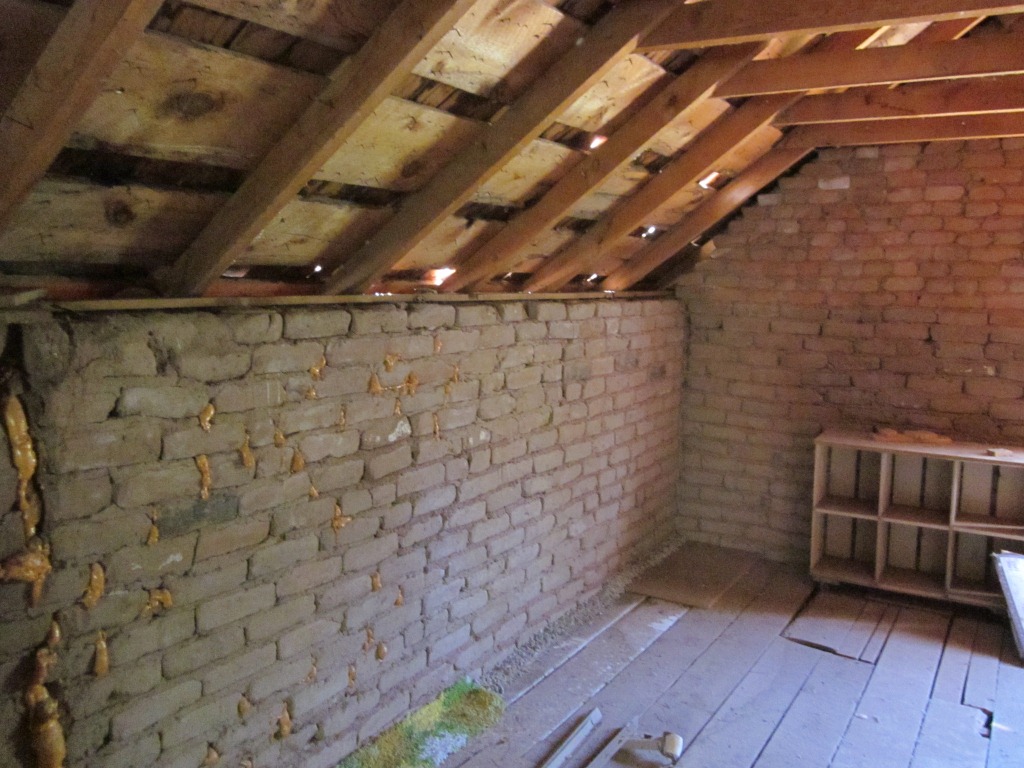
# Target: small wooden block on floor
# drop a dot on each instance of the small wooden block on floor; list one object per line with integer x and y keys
{"x": 695, "y": 575}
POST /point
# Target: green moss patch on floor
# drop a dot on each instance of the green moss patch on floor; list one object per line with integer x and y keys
{"x": 428, "y": 736}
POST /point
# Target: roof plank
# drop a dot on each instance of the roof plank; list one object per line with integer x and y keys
{"x": 932, "y": 99}
{"x": 907, "y": 130}
{"x": 985, "y": 56}
{"x": 505, "y": 250}
{"x": 610, "y": 41}
{"x": 359, "y": 86}
{"x": 727, "y": 22}
{"x": 754, "y": 178}
{"x": 70, "y": 71}
{"x": 701, "y": 158}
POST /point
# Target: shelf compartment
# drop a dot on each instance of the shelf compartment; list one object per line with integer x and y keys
{"x": 913, "y": 582}
{"x": 835, "y": 505}
{"x": 836, "y": 569}
{"x": 924, "y": 518}
{"x": 988, "y": 525}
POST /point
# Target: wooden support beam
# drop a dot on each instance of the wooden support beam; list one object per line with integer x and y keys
{"x": 956, "y": 97}
{"x": 993, "y": 55}
{"x": 726, "y": 22}
{"x": 702, "y": 157}
{"x": 67, "y": 76}
{"x": 610, "y": 41}
{"x": 906, "y": 131}
{"x": 26, "y": 27}
{"x": 756, "y": 177}
{"x": 359, "y": 86}
{"x": 505, "y": 249}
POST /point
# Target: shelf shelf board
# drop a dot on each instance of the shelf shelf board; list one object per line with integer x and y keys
{"x": 922, "y": 518}
{"x": 956, "y": 451}
{"x": 913, "y": 582}
{"x": 976, "y": 594}
{"x": 986, "y": 525}
{"x": 836, "y": 569}
{"x": 837, "y": 505}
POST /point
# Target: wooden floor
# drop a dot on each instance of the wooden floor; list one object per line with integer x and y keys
{"x": 776, "y": 675}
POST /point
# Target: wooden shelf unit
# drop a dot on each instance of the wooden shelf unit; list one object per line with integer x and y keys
{"x": 915, "y": 518}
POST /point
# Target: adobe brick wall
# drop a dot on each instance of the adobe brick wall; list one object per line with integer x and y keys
{"x": 877, "y": 286}
{"x": 553, "y": 464}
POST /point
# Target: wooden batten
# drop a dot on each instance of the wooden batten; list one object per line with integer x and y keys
{"x": 907, "y": 130}
{"x": 960, "y": 97}
{"x": 985, "y": 56}
{"x": 727, "y": 22}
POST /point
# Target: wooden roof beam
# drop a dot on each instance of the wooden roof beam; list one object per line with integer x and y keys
{"x": 505, "y": 249}
{"x": 358, "y": 87}
{"x": 702, "y": 157}
{"x": 994, "y": 55}
{"x": 610, "y": 41}
{"x": 906, "y": 131}
{"x": 69, "y": 73}
{"x": 726, "y": 22}
{"x": 753, "y": 179}
{"x": 933, "y": 99}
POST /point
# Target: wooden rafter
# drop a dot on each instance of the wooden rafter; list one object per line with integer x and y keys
{"x": 359, "y": 86}
{"x": 958, "y": 97}
{"x": 754, "y": 178}
{"x": 609, "y": 42}
{"x": 993, "y": 55}
{"x": 907, "y": 130}
{"x": 505, "y": 249}
{"x": 702, "y": 157}
{"x": 25, "y": 29}
{"x": 726, "y": 22}
{"x": 70, "y": 71}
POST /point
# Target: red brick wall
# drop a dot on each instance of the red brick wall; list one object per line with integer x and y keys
{"x": 875, "y": 286}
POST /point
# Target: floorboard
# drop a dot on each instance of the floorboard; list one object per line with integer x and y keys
{"x": 736, "y": 734}
{"x": 980, "y": 686}
{"x": 952, "y": 735}
{"x": 823, "y": 708}
{"x": 560, "y": 694}
{"x": 1006, "y": 747}
{"x": 749, "y": 682}
{"x": 883, "y": 732}
{"x": 956, "y": 660}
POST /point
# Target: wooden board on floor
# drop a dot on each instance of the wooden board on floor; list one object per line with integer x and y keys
{"x": 980, "y": 686}
{"x": 876, "y": 643}
{"x": 837, "y": 621}
{"x": 1007, "y": 740}
{"x": 956, "y": 661}
{"x": 1010, "y": 567}
{"x": 696, "y": 574}
{"x": 667, "y": 660}
{"x": 554, "y": 699}
{"x": 696, "y": 696}
{"x": 735, "y": 736}
{"x": 883, "y": 732}
{"x": 952, "y": 735}
{"x": 823, "y": 707}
